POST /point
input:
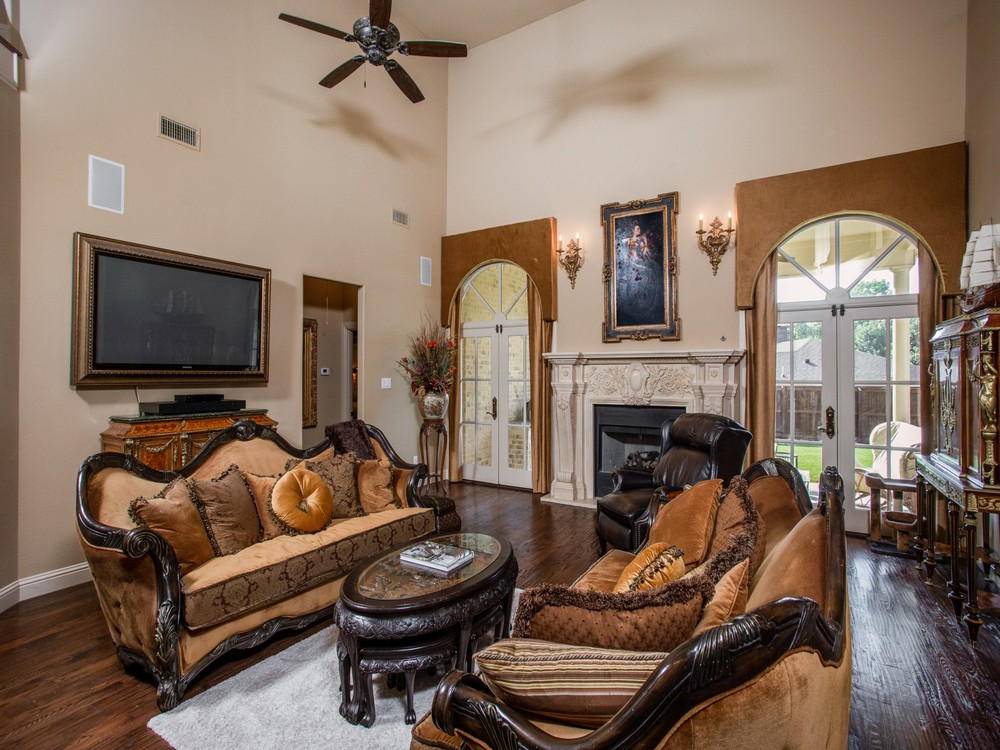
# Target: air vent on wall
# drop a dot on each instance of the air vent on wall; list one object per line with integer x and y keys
{"x": 400, "y": 217}
{"x": 180, "y": 133}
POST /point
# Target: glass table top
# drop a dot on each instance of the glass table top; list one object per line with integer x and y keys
{"x": 388, "y": 579}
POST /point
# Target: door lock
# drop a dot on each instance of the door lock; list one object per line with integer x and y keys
{"x": 829, "y": 428}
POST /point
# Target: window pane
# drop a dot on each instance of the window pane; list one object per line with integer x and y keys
{"x": 484, "y": 360}
{"x": 516, "y": 448}
{"x": 484, "y": 445}
{"x": 515, "y": 357}
{"x": 799, "y": 352}
{"x": 807, "y": 411}
{"x": 515, "y": 403}
{"x": 794, "y": 286}
{"x": 487, "y": 283}
{"x": 870, "y": 351}
{"x": 468, "y": 357}
{"x": 814, "y": 249}
{"x": 897, "y": 273}
{"x": 474, "y": 310}
{"x": 519, "y": 311}
{"x": 469, "y": 400}
{"x": 514, "y": 282}
{"x": 861, "y": 242}
{"x": 468, "y": 443}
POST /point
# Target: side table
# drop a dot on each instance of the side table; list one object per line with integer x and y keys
{"x": 434, "y": 452}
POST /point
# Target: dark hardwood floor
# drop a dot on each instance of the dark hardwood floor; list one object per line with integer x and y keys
{"x": 917, "y": 682}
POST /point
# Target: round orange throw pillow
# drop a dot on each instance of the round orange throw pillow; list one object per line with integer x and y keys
{"x": 301, "y": 500}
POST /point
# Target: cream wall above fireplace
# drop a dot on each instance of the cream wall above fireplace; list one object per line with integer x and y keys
{"x": 705, "y": 380}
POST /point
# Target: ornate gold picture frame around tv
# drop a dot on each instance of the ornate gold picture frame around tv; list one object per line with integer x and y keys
{"x": 640, "y": 269}
{"x": 145, "y": 316}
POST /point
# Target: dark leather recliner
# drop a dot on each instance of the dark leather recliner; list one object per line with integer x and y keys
{"x": 695, "y": 447}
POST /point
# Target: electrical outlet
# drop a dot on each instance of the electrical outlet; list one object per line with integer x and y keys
{"x": 386, "y": 384}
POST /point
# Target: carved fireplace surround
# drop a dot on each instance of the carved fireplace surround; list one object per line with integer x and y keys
{"x": 706, "y": 380}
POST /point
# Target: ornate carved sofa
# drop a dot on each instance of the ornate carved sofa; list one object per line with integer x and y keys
{"x": 776, "y": 676}
{"x": 174, "y": 605}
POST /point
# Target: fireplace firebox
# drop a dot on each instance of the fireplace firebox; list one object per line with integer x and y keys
{"x": 621, "y": 430}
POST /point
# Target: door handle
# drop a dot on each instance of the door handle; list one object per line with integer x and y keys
{"x": 494, "y": 412}
{"x": 829, "y": 428}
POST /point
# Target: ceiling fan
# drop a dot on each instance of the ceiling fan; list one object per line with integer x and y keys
{"x": 378, "y": 38}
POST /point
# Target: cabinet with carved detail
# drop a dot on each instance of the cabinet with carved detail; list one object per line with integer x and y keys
{"x": 964, "y": 463}
{"x": 167, "y": 443}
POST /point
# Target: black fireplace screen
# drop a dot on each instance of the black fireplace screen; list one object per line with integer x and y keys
{"x": 621, "y": 431}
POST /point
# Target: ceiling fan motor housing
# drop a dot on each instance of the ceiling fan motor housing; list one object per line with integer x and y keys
{"x": 376, "y": 43}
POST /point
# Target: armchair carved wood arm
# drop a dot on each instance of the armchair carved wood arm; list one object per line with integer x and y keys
{"x": 701, "y": 672}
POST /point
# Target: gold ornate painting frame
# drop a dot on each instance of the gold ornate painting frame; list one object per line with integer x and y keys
{"x": 640, "y": 269}
{"x": 310, "y": 357}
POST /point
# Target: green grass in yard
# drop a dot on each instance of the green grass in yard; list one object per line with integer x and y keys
{"x": 809, "y": 458}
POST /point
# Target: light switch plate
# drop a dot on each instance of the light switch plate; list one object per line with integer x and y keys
{"x": 386, "y": 384}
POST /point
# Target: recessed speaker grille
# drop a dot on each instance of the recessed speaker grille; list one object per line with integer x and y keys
{"x": 400, "y": 217}
{"x": 180, "y": 133}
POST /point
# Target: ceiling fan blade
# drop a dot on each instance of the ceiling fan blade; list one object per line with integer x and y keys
{"x": 313, "y": 26}
{"x": 341, "y": 72}
{"x": 427, "y": 48}
{"x": 403, "y": 80}
{"x": 378, "y": 12}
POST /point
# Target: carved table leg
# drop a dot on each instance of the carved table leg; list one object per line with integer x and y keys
{"x": 930, "y": 553}
{"x": 411, "y": 714}
{"x": 919, "y": 544}
{"x": 345, "y": 678}
{"x": 972, "y": 616}
{"x": 955, "y": 584}
{"x": 464, "y": 636}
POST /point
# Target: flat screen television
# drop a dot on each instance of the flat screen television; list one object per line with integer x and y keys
{"x": 147, "y": 316}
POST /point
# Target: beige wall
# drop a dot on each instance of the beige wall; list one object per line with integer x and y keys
{"x": 610, "y": 101}
{"x": 10, "y": 261}
{"x": 291, "y": 176}
{"x": 982, "y": 112}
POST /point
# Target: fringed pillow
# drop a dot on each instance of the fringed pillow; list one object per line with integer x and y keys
{"x": 656, "y": 619}
{"x": 654, "y": 566}
{"x": 173, "y": 514}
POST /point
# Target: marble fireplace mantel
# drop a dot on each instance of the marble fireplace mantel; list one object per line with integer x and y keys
{"x": 704, "y": 380}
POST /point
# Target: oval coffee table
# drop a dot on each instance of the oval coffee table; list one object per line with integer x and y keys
{"x": 395, "y": 619}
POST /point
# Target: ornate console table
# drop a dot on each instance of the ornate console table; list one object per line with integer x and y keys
{"x": 167, "y": 443}
{"x": 964, "y": 463}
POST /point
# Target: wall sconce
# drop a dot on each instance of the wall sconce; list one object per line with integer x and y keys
{"x": 717, "y": 241}
{"x": 571, "y": 258}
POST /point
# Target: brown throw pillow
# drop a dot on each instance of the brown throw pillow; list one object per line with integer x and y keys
{"x": 578, "y": 684}
{"x": 340, "y": 476}
{"x": 730, "y": 599}
{"x": 229, "y": 511}
{"x": 687, "y": 521}
{"x": 172, "y": 514}
{"x": 738, "y": 514}
{"x": 301, "y": 501}
{"x": 375, "y": 486}
{"x": 654, "y": 566}
{"x": 653, "y": 620}
{"x": 260, "y": 487}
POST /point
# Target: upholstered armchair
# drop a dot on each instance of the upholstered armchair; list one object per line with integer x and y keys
{"x": 694, "y": 447}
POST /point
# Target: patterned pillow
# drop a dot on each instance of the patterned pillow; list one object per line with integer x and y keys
{"x": 656, "y": 565}
{"x": 656, "y": 619}
{"x": 688, "y": 520}
{"x": 301, "y": 501}
{"x": 376, "y": 486}
{"x": 173, "y": 514}
{"x": 340, "y": 476}
{"x": 576, "y": 684}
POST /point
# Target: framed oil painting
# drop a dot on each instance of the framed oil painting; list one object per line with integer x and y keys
{"x": 640, "y": 269}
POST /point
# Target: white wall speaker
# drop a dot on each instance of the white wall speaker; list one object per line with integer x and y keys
{"x": 106, "y": 185}
{"x": 425, "y": 271}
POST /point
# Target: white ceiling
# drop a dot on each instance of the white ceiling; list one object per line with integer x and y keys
{"x": 473, "y": 21}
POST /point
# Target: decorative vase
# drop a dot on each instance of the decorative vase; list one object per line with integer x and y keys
{"x": 432, "y": 404}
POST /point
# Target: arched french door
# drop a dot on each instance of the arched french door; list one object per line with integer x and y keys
{"x": 847, "y": 352}
{"x": 495, "y": 377}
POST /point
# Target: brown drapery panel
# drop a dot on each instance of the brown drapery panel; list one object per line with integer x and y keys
{"x": 761, "y": 329}
{"x": 539, "y": 342}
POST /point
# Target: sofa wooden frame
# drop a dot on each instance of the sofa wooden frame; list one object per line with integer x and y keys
{"x": 140, "y": 542}
{"x": 719, "y": 660}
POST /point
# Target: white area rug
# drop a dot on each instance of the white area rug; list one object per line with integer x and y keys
{"x": 290, "y": 700}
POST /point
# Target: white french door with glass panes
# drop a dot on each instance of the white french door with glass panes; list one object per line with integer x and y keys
{"x": 494, "y": 378}
{"x": 847, "y": 368}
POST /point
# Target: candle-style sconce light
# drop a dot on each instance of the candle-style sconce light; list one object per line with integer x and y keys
{"x": 716, "y": 242}
{"x": 571, "y": 258}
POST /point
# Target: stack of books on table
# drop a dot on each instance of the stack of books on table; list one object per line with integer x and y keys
{"x": 437, "y": 557}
